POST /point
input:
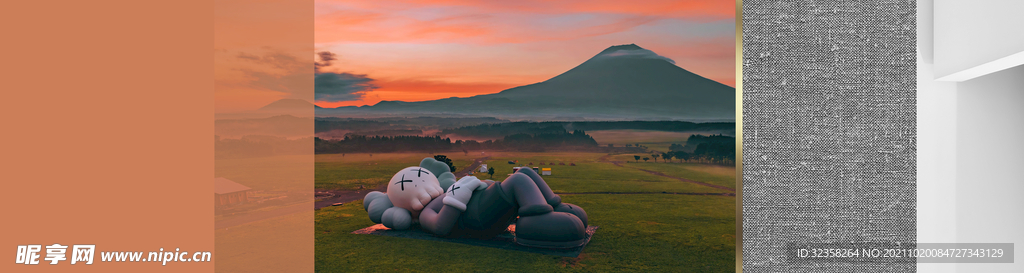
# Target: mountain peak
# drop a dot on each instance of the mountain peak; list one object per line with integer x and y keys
{"x": 630, "y": 51}
{"x": 621, "y": 47}
{"x": 622, "y": 82}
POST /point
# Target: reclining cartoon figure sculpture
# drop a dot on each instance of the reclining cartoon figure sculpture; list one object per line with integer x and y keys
{"x": 430, "y": 196}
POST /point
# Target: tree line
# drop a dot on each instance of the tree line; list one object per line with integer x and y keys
{"x": 260, "y": 146}
{"x": 577, "y": 139}
{"x": 508, "y": 128}
{"x": 713, "y": 149}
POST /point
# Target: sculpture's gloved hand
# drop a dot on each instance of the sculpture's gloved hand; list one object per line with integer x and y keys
{"x": 460, "y": 192}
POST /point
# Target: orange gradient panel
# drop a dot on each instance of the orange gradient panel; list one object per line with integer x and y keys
{"x": 263, "y": 135}
{"x": 107, "y": 121}
{"x": 263, "y": 157}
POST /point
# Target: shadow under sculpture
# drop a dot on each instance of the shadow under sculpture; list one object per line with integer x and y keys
{"x": 473, "y": 208}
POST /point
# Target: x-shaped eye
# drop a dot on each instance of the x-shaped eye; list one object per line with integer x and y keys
{"x": 420, "y": 172}
{"x": 403, "y": 181}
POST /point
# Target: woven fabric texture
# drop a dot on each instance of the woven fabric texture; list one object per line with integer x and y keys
{"x": 829, "y": 132}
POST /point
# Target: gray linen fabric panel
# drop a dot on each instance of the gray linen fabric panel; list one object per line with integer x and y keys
{"x": 829, "y": 129}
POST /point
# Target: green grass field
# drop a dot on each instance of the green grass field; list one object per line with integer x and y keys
{"x": 649, "y": 231}
{"x": 637, "y": 233}
{"x": 348, "y": 172}
{"x": 592, "y": 175}
{"x": 713, "y": 174}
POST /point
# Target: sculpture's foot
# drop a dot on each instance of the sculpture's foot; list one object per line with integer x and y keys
{"x": 551, "y": 230}
{"x": 574, "y": 210}
{"x": 554, "y": 200}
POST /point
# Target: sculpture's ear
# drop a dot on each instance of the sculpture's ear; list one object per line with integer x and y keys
{"x": 434, "y": 166}
{"x": 397, "y": 218}
{"x": 446, "y": 180}
{"x": 376, "y": 204}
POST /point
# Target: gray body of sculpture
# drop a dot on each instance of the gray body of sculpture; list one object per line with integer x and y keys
{"x": 490, "y": 211}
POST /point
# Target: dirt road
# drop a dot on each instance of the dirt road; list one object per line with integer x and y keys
{"x": 474, "y": 166}
{"x": 331, "y": 197}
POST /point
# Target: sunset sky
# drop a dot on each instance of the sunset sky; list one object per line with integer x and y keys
{"x": 416, "y": 50}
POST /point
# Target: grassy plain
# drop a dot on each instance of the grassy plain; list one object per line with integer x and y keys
{"x": 677, "y": 233}
{"x": 643, "y": 231}
{"x": 591, "y": 174}
{"x": 349, "y": 171}
{"x": 714, "y": 174}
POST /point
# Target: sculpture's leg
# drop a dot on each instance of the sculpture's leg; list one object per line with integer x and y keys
{"x": 574, "y": 210}
{"x": 551, "y": 198}
{"x": 551, "y": 230}
{"x": 539, "y": 224}
{"x": 438, "y": 218}
{"x": 527, "y": 195}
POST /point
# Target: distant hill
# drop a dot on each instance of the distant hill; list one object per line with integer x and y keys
{"x": 288, "y": 105}
{"x": 497, "y": 130}
{"x": 282, "y": 107}
{"x": 624, "y": 82}
{"x": 281, "y": 126}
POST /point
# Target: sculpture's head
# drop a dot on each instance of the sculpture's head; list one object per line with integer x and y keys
{"x": 412, "y": 188}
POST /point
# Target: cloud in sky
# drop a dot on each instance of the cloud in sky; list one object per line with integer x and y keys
{"x": 338, "y": 87}
{"x": 335, "y": 87}
{"x": 281, "y": 72}
{"x": 276, "y": 71}
{"x": 327, "y": 58}
{"x": 495, "y": 22}
{"x": 431, "y": 49}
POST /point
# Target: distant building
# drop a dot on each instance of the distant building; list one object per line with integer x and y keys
{"x": 545, "y": 171}
{"x": 227, "y": 192}
{"x": 535, "y": 169}
{"x": 483, "y": 168}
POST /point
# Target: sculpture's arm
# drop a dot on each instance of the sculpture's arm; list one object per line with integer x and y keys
{"x": 438, "y": 218}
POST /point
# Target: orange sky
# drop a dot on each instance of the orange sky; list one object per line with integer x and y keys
{"x": 418, "y": 50}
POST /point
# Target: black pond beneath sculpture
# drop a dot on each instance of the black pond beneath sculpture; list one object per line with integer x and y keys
{"x": 502, "y": 241}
